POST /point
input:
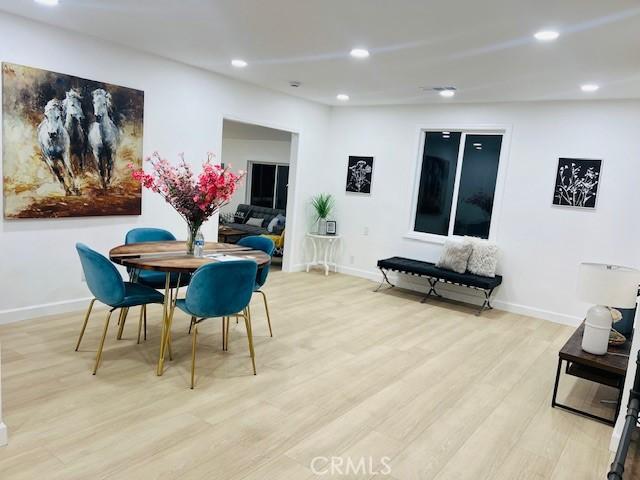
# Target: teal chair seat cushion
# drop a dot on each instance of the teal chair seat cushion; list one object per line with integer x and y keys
{"x": 181, "y": 303}
{"x": 136, "y": 294}
{"x": 158, "y": 279}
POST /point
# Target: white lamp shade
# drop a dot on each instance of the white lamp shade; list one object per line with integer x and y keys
{"x": 608, "y": 285}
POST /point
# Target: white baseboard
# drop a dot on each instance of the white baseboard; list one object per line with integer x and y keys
{"x": 453, "y": 292}
{"x": 34, "y": 311}
{"x": 4, "y": 438}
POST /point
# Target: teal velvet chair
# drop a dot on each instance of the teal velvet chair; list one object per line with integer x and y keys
{"x": 106, "y": 285}
{"x": 220, "y": 289}
{"x": 267, "y": 246}
{"x": 150, "y": 278}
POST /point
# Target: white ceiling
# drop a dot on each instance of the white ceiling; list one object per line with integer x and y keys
{"x": 249, "y": 131}
{"x": 484, "y": 48}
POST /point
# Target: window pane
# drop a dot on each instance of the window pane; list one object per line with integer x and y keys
{"x": 435, "y": 194}
{"x": 477, "y": 185}
{"x": 281, "y": 186}
{"x": 263, "y": 179}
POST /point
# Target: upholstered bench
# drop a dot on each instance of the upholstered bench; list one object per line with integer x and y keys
{"x": 434, "y": 275}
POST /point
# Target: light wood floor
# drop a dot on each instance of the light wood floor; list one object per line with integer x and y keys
{"x": 349, "y": 373}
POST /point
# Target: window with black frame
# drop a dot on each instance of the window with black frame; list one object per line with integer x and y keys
{"x": 457, "y": 185}
{"x": 269, "y": 185}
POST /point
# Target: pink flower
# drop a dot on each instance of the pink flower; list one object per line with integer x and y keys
{"x": 196, "y": 199}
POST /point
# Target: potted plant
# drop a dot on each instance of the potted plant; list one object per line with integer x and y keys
{"x": 323, "y": 204}
{"x": 196, "y": 199}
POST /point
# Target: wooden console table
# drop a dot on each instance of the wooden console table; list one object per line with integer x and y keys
{"x": 608, "y": 369}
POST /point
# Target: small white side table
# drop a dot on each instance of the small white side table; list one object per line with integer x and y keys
{"x": 323, "y": 246}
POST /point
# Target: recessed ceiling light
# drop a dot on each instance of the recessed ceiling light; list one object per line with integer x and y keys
{"x": 359, "y": 53}
{"x": 448, "y": 93}
{"x": 239, "y": 63}
{"x": 477, "y": 144}
{"x": 343, "y": 97}
{"x": 546, "y": 35}
{"x": 589, "y": 87}
{"x": 48, "y": 3}
{"x": 446, "y": 133}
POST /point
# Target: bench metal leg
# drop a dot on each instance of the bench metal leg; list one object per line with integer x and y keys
{"x": 432, "y": 290}
{"x": 486, "y": 305}
{"x": 384, "y": 279}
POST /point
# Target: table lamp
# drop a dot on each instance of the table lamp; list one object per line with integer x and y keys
{"x": 606, "y": 286}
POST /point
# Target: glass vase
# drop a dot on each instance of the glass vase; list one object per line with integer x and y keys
{"x": 191, "y": 237}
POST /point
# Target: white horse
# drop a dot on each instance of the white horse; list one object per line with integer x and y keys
{"x": 74, "y": 123}
{"x": 54, "y": 144}
{"x": 104, "y": 136}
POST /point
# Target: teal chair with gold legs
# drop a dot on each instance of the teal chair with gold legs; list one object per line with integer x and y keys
{"x": 221, "y": 289}
{"x": 149, "y": 278}
{"x": 267, "y": 246}
{"x": 106, "y": 285}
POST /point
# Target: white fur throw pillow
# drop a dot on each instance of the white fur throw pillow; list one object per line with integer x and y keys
{"x": 455, "y": 255}
{"x": 484, "y": 257}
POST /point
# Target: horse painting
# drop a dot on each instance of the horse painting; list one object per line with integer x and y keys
{"x": 74, "y": 120}
{"x": 54, "y": 143}
{"x": 103, "y": 136}
{"x": 68, "y": 144}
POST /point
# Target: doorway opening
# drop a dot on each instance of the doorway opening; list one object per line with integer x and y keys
{"x": 262, "y": 203}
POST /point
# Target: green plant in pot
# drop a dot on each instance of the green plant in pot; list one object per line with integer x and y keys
{"x": 323, "y": 204}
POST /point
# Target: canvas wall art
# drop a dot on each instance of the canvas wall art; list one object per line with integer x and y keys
{"x": 577, "y": 182}
{"x": 67, "y": 143}
{"x": 359, "y": 174}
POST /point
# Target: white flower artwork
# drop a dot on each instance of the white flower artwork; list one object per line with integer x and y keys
{"x": 577, "y": 182}
{"x": 359, "y": 174}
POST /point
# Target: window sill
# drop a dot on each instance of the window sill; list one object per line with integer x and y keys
{"x": 426, "y": 237}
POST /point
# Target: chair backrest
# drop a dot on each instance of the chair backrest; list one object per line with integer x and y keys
{"x": 222, "y": 288}
{"x": 138, "y": 235}
{"x": 264, "y": 244}
{"x": 103, "y": 279}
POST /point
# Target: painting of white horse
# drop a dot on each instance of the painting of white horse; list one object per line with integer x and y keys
{"x": 67, "y": 145}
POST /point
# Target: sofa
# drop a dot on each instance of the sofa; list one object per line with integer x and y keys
{"x": 245, "y": 219}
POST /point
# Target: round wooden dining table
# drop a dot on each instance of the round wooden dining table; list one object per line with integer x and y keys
{"x": 171, "y": 258}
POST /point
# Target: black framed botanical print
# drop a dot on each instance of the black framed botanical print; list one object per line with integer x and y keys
{"x": 577, "y": 182}
{"x": 359, "y": 174}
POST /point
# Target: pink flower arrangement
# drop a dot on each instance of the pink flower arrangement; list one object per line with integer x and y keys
{"x": 196, "y": 199}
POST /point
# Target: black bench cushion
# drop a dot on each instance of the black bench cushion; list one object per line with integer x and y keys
{"x": 428, "y": 269}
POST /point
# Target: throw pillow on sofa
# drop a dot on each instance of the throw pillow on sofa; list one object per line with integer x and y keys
{"x": 455, "y": 255}
{"x": 255, "y": 222}
{"x": 276, "y": 224}
{"x": 484, "y": 257}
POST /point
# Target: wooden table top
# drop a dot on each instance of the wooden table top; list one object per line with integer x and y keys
{"x": 615, "y": 360}
{"x": 172, "y": 257}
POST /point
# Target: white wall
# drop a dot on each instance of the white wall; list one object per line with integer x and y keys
{"x": 184, "y": 107}
{"x": 541, "y": 246}
{"x": 238, "y": 152}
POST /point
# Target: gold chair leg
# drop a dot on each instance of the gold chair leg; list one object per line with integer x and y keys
{"x": 144, "y": 309}
{"x": 193, "y": 319}
{"x": 84, "y": 325}
{"x": 193, "y": 356}
{"x": 123, "y": 318}
{"x": 226, "y": 335}
{"x": 266, "y": 307}
{"x": 104, "y": 335}
{"x": 247, "y": 322}
{"x": 224, "y": 328}
{"x": 140, "y": 322}
{"x": 169, "y": 346}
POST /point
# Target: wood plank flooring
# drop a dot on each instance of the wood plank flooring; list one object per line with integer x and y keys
{"x": 430, "y": 390}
